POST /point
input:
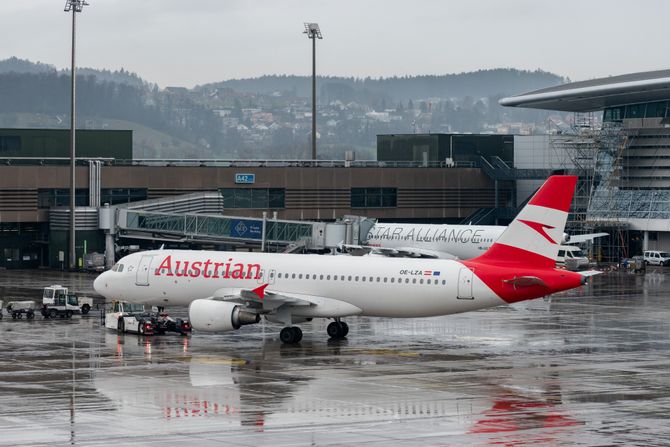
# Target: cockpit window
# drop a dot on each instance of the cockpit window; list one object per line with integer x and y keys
{"x": 115, "y": 268}
{"x": 120, "y": 269}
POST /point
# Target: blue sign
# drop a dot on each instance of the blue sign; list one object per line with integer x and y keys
{"x": 245, "y": 178}
{"x": 250, "y": 229}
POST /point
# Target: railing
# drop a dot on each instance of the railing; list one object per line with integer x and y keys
{"x": 40, "y": 161}
{"x": 497, "y": 169}
{"x": 237, "y": 163}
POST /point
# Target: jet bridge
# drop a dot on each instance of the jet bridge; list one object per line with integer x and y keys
{"x": 200, "y": 218}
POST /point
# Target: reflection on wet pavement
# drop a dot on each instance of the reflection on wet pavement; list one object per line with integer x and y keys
{"x": 589, "y": 368}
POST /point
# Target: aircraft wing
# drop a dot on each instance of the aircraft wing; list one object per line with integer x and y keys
{"x": 585, "y": 237}
{"x": 268, "y": 301}
{"x": 398, "y": 252}
{"x": 355, "y": 250}
{"x": 416, "y": 252}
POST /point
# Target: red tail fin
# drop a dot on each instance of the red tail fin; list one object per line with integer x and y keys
{"x": 536, "y": 232}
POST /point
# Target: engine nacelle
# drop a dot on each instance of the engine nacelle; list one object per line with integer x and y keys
{"x": 566, "y": 238}
{"x": 219, "y": 316}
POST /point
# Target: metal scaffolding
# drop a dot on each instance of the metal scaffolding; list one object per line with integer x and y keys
{"x": 594, "y": 151}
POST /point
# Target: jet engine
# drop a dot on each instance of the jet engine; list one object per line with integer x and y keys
{"x": 566, "y": 238}
{"x": 219, "y": 316}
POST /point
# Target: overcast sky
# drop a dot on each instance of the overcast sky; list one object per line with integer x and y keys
{"x": 184, "y": 43}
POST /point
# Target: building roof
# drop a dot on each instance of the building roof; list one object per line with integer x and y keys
{"x": 597, "y": 94}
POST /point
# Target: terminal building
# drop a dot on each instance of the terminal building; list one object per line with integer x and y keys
{"x": 187, "y": 202}
{"x": 619, "y": 145}
{"x": 620, "y": 142}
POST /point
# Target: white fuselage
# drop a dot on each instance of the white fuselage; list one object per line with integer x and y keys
{"x": 459, "y": 241}
{"x": 393, "y": 287}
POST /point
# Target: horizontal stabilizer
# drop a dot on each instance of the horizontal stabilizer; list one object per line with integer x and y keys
{"x": 578, "y": 238}
{"x": 587, "y": 274}
{"x": 525, "y": 281}
{"x": 590, "y": 273}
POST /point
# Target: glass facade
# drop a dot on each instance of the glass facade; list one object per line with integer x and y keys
{"x": 262, "y": 198}
{"x": 657, "y": 109}
{"x": 114, "y": 196}
{"x": 46, "y": 198}
{"x": 10, "y": 143}
{"x": 374, "y": 197}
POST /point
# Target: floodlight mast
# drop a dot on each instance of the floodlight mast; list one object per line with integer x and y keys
{"x": 74, "y": 6}
{"x": 313, "y": 32}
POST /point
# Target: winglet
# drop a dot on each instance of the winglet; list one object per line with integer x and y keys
{"x": 260, "y": 291}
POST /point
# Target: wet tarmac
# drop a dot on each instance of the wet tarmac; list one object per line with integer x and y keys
{"x": 590, "y": 368}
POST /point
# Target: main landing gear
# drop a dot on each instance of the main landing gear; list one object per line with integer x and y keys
{"x": 337, "y": 330}
{"x": 290, "y": 335}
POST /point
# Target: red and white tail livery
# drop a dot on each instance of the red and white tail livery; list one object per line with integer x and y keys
{"x": 226, "y": 290}
{"x": 535, "y": 234}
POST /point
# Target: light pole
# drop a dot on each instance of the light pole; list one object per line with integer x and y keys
{"x": 313, "y": 32}
{"x": 74, "y": 6}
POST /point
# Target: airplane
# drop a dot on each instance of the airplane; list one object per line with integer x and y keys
{"x": 439, "y": 241}
{"x": 226, "y": 290}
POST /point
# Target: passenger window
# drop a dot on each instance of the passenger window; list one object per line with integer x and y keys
{"x": 392, "y": 280}
{"x": 385, "y": 279}
{"x": 378, "y": 279}
{"x": 363, "y": 278}
{"x": 328, "y": 277}
{"x": 293, "y": 276}
{"x": 406, "y": 280}
{"x": 421, "y": 281}
{"x": 320, "y": 276}
{"x": 413, "y": 280}
{"x": 342, "y": 278}
{"x": 300, "y": 276}
{"x": 428, "y": 281}
{"x": 444, "y": 282}
{"x": 371, "y": 279}
{"x": 278, "y": 275}
{"x": 356, "y": 279}
{"x": 349, "y": 278}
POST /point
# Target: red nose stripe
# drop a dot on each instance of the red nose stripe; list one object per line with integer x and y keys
{"x": 556, "y": 193}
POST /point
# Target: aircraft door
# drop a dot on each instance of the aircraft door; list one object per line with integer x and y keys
{"x": 267, "y": 276}
{"x": 465, "y": 276}
{"x": 142, "y": 278}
